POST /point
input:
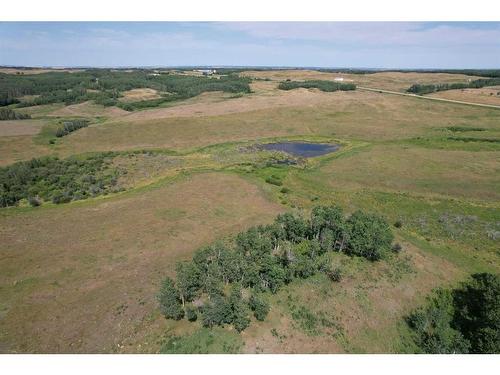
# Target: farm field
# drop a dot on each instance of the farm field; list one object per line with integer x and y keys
{"x": 84, "y": 276}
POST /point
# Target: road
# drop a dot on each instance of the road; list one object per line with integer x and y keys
{"x": 428, "y": 97}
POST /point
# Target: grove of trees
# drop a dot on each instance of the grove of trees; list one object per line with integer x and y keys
{"x": 104, "y": 86}
{"x": 327, "y": 86}
{"x": 56, "y": 180}
{"x": 264, "y": 259}
{"x": 427, "y": 89}
{"x": 9, "y": 114}
{"x": 461, "y": 320}
{"x": 71, "y": 126}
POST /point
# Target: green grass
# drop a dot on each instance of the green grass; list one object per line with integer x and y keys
{"x": 204, "y": 341}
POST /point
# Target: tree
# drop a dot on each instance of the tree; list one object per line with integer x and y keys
{"x": 216, "y": 312}
{"x": 432, "y": 329}
{"x": 369, "y": 235}
{"x": 239, "y": 312}
{"x": 295, "y": 227}
{"x": 170, "y": 301}
{"x": 327, "y": 218}
{"x": 259, "y": 307}
{"x": 272, "y": 275}
{"x": 188, "y": 281}
{"x": 477, "y": 312}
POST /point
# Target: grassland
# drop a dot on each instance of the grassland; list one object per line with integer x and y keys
{"x": 70, "y": 272}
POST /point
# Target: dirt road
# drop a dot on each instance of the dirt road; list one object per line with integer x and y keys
{"x": 427, "y": 97}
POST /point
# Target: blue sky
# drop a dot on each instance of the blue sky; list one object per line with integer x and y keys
{"x": 320, "y": 44}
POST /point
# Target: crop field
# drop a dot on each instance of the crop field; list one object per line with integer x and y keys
{"x": 83, "y": 275}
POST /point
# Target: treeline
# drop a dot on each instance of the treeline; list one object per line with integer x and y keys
{"x": 71, "y": 126}
{"x": 476, "y": 84}
{"x": 493, "y": 73}
{"x": 328, "y": 86}
{"x": 266, "y": 258}
{"x": 9, "y": 114}
{"x": 462, "y": 320}
{"x": 59, "y": 181}
{"x": 105, "y": 86}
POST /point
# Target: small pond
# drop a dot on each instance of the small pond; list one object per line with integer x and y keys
{"x": 303, "y": 149}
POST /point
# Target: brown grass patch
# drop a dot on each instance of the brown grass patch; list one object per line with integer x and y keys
{"x": 88, "y": 109}
{"x": 396, "y": 81}
{"x": 83, "y": 277}
{"x": 136, "y": 95}
{"x": 20, "y": 127}
{"x": 485, "y": 95}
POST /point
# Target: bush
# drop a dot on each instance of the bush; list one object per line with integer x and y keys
{"x": 191, "y": 314}
{"x": 397, "y": 248}
{"x": 398, "y": 224}
{"x": 274, "y": 180}
{"x": 259, "y": 307}
{"x": 170, "y": 301}
{"x": 334, "y": 274}
{"x": 34, "y": 201}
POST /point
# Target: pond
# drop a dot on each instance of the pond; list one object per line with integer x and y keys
{"x": 303, "y": 149}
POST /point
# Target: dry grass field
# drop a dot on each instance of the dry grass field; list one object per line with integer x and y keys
{"x": 71, "y": 273}
{"x": 485, "y": 95}
{"x": 83, "y": 276}
{"x": 135, "y": 95}
{"x": 395, "y": 81}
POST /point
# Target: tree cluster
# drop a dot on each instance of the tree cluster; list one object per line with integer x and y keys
{"x": 9, "y": 114}
{"x": 105, "y": 86}
{"x": 462, "y": 320}
{"x": 327, "y": 86}
{"x": 71, "y": 126}
{"x": 59, "y": 181}
{"x": 476, "y": 84}
{"x": 266, "y": 258}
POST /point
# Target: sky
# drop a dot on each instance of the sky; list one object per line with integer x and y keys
{"x": 416, "y": 45}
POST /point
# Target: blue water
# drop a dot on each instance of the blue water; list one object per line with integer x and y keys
{"x": 306, "y": 150}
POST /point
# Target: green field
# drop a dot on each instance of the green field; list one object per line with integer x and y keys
{"x": 83, "y": 276}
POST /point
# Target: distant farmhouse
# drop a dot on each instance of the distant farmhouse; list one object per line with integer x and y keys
{"x": 206, "y": 72}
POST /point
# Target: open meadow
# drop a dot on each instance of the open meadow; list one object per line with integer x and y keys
{"x": 175, "y": 168}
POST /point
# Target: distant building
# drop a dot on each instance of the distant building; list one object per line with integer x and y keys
{"x": 206, "y": 72}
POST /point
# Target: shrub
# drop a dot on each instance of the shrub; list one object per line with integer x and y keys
{"x": 259, "y": 307}
{"x": 334, "y": 274}
{"x": 274, "y": 180}
{"x": 34, "y": 201}
{"x": 170, "y": 301}
{"x": 398, "y": 224}
{"x": 191, "y": 314}
{"x": 397, "y": 248}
